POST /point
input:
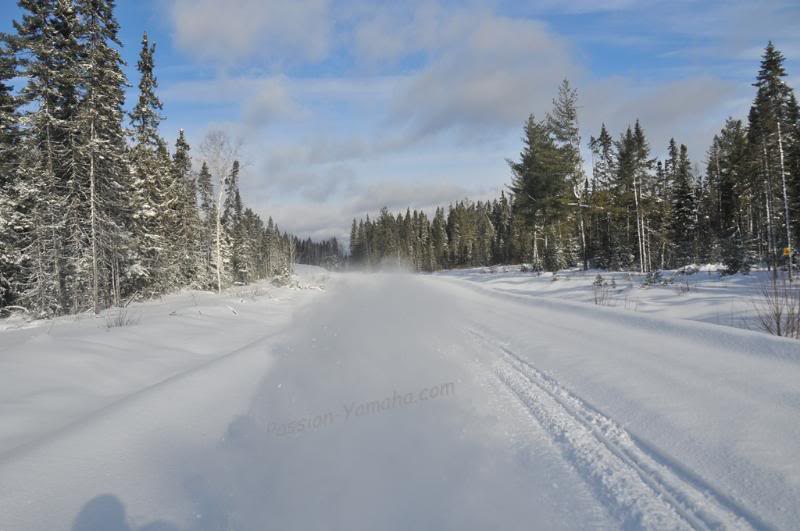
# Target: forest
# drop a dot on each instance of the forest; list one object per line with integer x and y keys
{"x": 630, "y": 211}
{"x": 95, "y": 209}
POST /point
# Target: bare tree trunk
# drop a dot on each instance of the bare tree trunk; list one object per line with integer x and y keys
{"x": 768, "y": 203}
{"x": 583, "y": 241}
{"x": 219, "y": 236}
{"x": 785, "y": 201}
{"x": 638, "y": 226}
{"x": 220, "y": 153}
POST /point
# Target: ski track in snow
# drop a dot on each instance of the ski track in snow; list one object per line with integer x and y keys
{"x": 641, "y": 491}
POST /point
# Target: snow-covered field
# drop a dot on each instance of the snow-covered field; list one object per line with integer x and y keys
{"x": 464, "y": 400}
{"x": 702, "y": 295}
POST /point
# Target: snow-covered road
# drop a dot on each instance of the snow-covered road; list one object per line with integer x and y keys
{"x": 427, "y": 402}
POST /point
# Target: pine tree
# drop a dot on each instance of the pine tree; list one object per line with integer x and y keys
{"x": 154, "y": 191}
{"x": 603, "y": 229}
{"x": 188, "y": 233}
{"x": 538, "y": 184}
{"x": 684, "y": 213}
{"x": 772, "y": 129}
{"x": 208, "y": 216}
{"x": 730, "y": 163}
{"x": 45, "y": 44}
{"x": 102, "y": 186}
{"x": 145, "y": 117}
{"x": 355, "y": 244}
{"x": 562, "y": 122}
{"x": 9, "y": 140}
{"x": 232, "y": 227}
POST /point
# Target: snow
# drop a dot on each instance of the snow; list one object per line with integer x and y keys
{"x": 463, "y": 400}
{"x": 57, "y": 371}
{"x": 703, "y": 295}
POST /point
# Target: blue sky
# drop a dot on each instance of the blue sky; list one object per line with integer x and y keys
{"x": 347, "y": 106}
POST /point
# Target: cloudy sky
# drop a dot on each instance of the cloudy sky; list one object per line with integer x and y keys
{"x": 345, "y": 106}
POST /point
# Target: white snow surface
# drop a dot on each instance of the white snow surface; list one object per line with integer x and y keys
{"x": 702, "y": 295}
{"x": 463, "y": 400}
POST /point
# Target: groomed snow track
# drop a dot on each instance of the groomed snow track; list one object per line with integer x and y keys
{"x": 636, "y": 486}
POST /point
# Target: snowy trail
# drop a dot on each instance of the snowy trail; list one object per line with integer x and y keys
{"x": 413, "y": 402}
{"x": 642, "y": 491}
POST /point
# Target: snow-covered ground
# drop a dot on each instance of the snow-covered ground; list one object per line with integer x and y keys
{"x": 392, "y": 401}
{"x": 703, "y": 295}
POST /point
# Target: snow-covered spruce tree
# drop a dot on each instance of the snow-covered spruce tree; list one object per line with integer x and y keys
{"x": 187, "y": 240}
{"x": 538, "y": 184}
{"x": 70, "y": 54}
{"x": 684, "y": 210}
{"x": 9, "y": 140}
{"x": 151, "y": 201}
{"x": 232, "y": 212}
{"x": 501, "y": 219}
{"x": 46, "y": 54}
{"x": 729, "y": 164}
{"x": 146, "y": 115}
{"x": 208, "y": 219}
{"x": 271, "y": 248}
{"x": 602, "y": 204}
{"x": 772, "y": 130}
{"x": 251, "y": 263}
{"x": 562, "y": 122}
{"x": 633, "y": 166}
{"x": 102, "y": 183}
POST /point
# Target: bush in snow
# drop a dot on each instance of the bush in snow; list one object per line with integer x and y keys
{"x": 777, "y": 308}
{"x": 119, "y": 318}
{"x": 602, "y": 290}
{"x": 683, "y": 287}
{"x": 653, "y": 278}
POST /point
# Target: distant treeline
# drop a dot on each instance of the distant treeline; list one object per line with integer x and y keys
{"x": 633, "y": 212}
{"x": 326, "y": 253}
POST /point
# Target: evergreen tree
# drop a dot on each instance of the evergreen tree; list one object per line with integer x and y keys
{"x": 102, "y": 186}
{"x": 538, "y": 183}
{"x": 9, "y": 140}
{"x": 232, "y": 227}
{"x": 45, "y": 49}
{"x": 188, "y": 234}
{"x": 684, "y": 213}
{"x": 730, "y": 166}
{"x": 773, "y": 130}
{"x": 562, "y": 122}
{"x": 604, "y": 233}
{"x": 155, "y": 194}
{"x": 145, "y": 117}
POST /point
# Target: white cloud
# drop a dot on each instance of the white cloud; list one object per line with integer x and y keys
{"x": 690, "y": 110}
{"x": 312, "y": 185}
{"x": 401, "y": 29}
{"x": 398, "y": 196}
{"x": 489, "y": 72}
{"x": 588, "y": 6}
{"x": 270, "y": 102}
{"x": 231, "y": 30}
{"x": 324, "y": 220}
